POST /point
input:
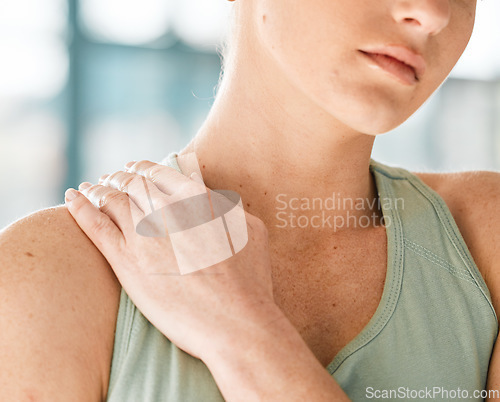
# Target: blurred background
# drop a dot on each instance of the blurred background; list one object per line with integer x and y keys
{"x": 87, "y": 85}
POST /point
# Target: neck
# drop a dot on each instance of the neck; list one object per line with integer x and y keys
{"x": 263, "y": 138}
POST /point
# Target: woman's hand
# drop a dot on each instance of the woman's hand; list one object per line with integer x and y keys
{"x": 199, "y": 311}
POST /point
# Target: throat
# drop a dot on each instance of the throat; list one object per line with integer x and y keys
{"x": 316, "y": 214}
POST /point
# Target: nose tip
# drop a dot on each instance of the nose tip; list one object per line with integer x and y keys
{"x": 428, "y": 16}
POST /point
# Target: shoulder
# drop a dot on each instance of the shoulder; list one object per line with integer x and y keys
{"x": 57, "y": 293}
{"x": 473, "y": 198}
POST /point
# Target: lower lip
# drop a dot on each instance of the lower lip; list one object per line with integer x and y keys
{"x": 393, "y": 67}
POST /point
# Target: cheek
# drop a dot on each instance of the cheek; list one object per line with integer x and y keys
{"x": 330, "y": 73}
{"x": 454, "y": 39}
{"x": 446, "y": 49}
{"x": 302, "y": 35}
{"x": 307, "y": 54}
{"x": 320, "y": 59}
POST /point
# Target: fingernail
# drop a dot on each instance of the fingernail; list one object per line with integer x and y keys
{"x": 71, "y": 194}
{"x": 128, "y": 165}
{"x": 84, "y": 185}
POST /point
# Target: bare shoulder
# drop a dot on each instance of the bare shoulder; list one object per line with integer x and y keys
{"x": 473, "y": 198}
{"x": 58, "y": 306}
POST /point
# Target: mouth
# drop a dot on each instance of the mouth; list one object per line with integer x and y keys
{"x": 404, "y": 65}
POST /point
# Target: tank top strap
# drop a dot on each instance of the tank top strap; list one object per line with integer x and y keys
{"x": 429, "y": 228}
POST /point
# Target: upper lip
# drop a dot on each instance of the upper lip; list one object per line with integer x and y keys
{"x": 403, "y": 54}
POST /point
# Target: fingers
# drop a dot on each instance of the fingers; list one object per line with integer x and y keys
{"x": 152, "y": 186}
{"x": 144, "y": 193}
{"x": 128, "y": 197}
{"x": 98, "y": 226}
{"x": 117, "y": 205}
{"x": 166, "y": 179}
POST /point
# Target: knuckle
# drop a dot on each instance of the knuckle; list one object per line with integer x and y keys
{"x": 114, "y": 178}
{"x": 126, "y": 182}
{"x": 100, "y": 225}
{"x": 117, "y": 180}
{"x": 93, "y": 193}
{"x": 155, "y": 172}
{"x": 110, "y": 197}
{"x": 142, "y": 165}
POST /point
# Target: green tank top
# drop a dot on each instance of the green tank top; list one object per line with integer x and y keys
{"x": 435, "y": 325}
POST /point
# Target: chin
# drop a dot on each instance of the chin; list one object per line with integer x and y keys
{"x": 380, "y": 127}
{"x": 375, "y": 121}
{"x": 370, "y": 109}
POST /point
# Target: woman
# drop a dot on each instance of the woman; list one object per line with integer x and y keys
{"x": 401, "y": 310}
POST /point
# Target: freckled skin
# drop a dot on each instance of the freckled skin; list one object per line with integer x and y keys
{"x": 332, "y": 73}
{"x": 326, "y": 96}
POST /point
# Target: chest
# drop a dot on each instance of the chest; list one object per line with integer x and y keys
{"x": 330, "y": 292}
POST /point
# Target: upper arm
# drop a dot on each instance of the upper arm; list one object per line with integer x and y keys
{"x": 58, "y": 307}
{"x": 474, "y": 200}
{"x": 486, "y": 204}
